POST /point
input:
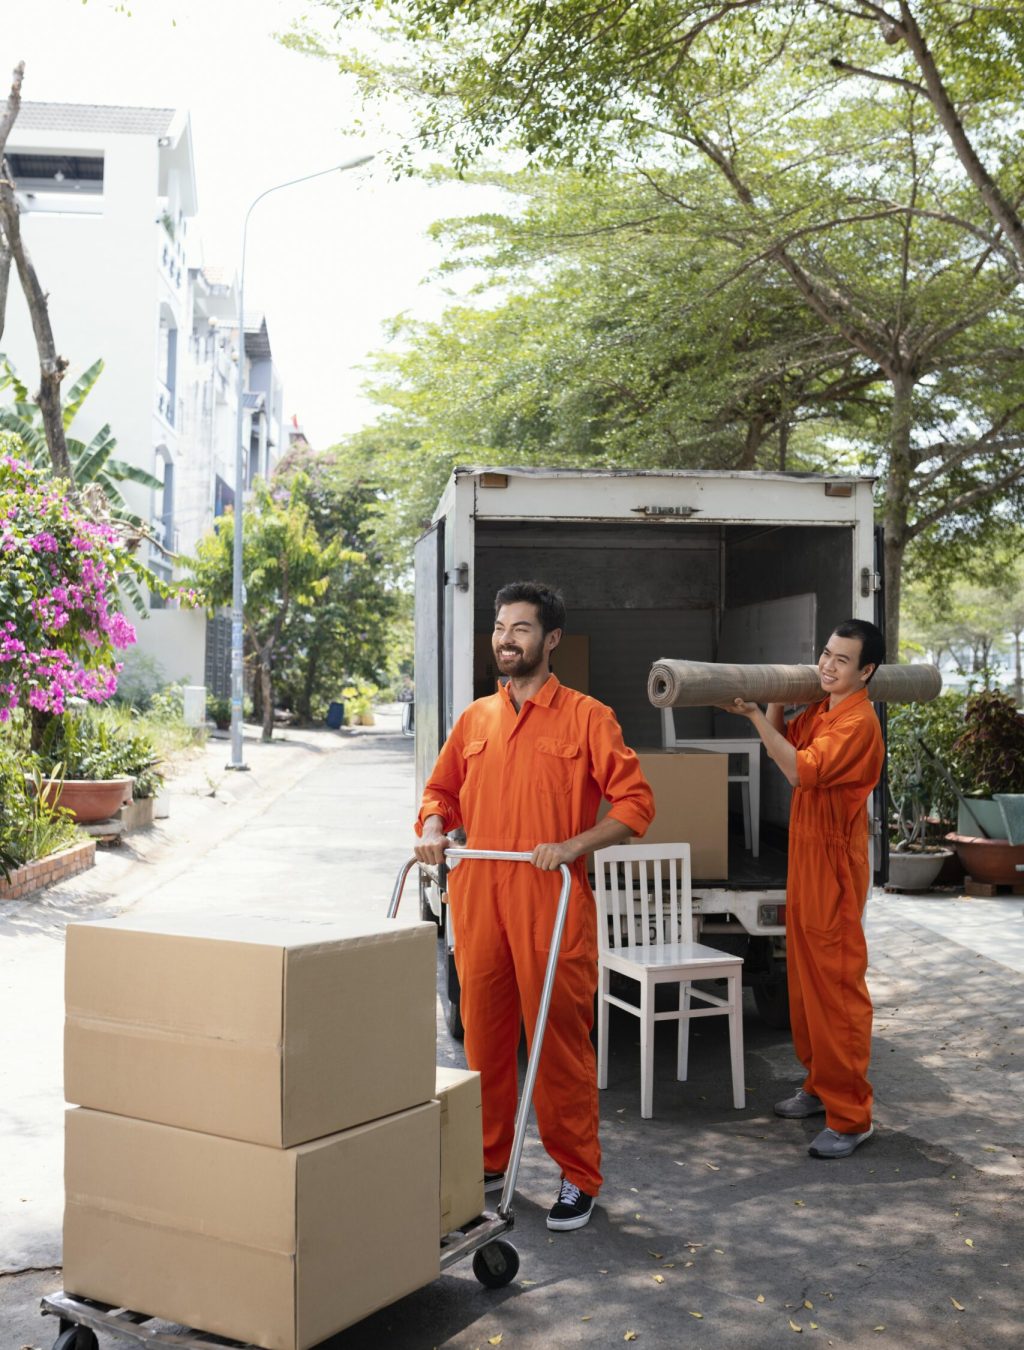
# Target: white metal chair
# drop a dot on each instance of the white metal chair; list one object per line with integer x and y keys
{"x": 646, "y": 932}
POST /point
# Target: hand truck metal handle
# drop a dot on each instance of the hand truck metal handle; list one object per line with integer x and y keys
{"x": 540, "y": 1026}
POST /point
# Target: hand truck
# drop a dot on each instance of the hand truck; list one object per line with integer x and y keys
{"x": 495, "y": 1261}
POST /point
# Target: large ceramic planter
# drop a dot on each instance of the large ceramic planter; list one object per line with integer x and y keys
{"x": 86, "y": 800}
{"x": 994, "y": 861}
{"x": 916, "y": 871}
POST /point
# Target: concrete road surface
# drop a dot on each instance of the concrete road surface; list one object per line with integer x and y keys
{"x": 715, "y": 1228}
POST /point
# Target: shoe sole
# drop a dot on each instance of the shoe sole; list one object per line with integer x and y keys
{"x": 566, "y": 1225}
{"x": 835, "y": 1157}
{"x": 497, "y": 1184}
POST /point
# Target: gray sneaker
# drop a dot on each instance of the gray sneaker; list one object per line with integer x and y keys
{"x": 800, "y": 1105}
{"x": 832, "y": 1144}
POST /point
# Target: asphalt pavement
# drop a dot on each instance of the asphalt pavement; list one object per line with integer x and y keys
{"x": 715, "y": 1227}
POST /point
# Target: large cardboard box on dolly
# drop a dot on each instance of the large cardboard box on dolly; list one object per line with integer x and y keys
{"x": 462, "y": 1149}
{"x": 255, "y": 1028}
{"x": 280, "y": 1247}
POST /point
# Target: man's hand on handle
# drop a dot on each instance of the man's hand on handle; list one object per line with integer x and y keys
{"x": 430, "y": 847}
{"x": 549, "y": 857}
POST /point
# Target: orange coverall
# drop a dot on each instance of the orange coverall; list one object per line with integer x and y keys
{"x": 839, "y": 760}
{"x": 513, "y": 782}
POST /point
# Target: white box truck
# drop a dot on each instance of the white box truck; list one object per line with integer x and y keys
{"x": 696, "y": 565}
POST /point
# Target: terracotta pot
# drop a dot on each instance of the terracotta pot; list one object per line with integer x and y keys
{"x": 916, "y": 871}
{"x": 86, "y": 800}
{"x": 992, "y": 860}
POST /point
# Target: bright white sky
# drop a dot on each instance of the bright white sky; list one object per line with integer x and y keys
{"x": 328, "y": 261}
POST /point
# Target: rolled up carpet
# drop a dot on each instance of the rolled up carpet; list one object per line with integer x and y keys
{"x": 692, "y": 684}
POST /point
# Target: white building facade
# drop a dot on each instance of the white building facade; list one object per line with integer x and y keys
{"x": 108, "y": 202}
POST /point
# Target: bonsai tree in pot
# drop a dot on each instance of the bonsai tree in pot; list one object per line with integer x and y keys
{"x": 915, "y": 857}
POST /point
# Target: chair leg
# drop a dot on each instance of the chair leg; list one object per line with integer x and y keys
{"x": 604, "y": 988}
{"x": 683, "y": 1042}
{"x": 646, "y": 1050}
{"x": 739, "y": 1095}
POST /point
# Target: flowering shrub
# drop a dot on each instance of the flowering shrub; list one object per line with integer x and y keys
{"x": 60, "y": 627}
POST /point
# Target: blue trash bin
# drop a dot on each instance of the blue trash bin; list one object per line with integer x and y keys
{"x": 335, "y": 716}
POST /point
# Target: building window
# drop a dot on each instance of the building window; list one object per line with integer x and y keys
{"x": 57, "y": 182}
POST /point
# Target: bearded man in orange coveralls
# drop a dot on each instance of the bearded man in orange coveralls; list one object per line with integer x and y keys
{"x": 832, "y": 753}
{"x": 524, "y": 770}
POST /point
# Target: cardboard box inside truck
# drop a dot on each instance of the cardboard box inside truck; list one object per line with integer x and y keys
{"x": 462, "y": 1148}
{"x": 278, "y": 1247}
{"x": 269, "y": 1030}
{"x": 691, "y": 799}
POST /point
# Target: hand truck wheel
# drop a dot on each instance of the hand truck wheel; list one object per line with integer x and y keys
{"x": 77, "y": 1338}
{"x": 497, "y": 1264}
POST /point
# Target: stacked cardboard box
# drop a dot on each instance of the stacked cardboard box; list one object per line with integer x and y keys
{"x": 255, "y": 1149}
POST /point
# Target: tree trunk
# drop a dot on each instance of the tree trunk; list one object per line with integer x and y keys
{"x": 267, "y": 689}
{"x": 896, "y": 506}
{"x": 5, "y": 280}
{"x": 309, "y": 680}
{"x": 1018, "y": 672}
{"x": 51, "y": 366}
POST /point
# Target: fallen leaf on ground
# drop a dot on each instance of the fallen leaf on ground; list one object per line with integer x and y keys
{"x": 699, "y": 1316}
{"x": 678, "y": 1163}
{"x": 713, "y": 1167}
{"x": 658, "y": 1279}
{"x": 760, "y": 1298}
{"x": 688, "y": 1263}
{"x": 669, "y": 1265}
{"x": 586, "y": 1317}
{"x": 634, "y": 1190}
{"x": 527, "y": 1284}
{"x": 719, "y": 1251}
{"x": 629, "y": 1336}
{"x": 968, "y": 1242}
{"x": 800, "y": 1203}
{"x": 813, "y": 1326}
{"x": 958, "y": 1306}
{"x": 793, "y": 1326}
{"x": 808, "y": 1304}
{"x": 656, "y": 1255}
{"x": 878, "y": 1328}
{"x": 494, "y": 1340}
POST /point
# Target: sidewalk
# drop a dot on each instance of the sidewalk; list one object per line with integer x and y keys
{"x": 715, "y": 1228}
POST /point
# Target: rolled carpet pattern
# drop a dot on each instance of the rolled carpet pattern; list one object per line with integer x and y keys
{"x": 692, "y": 684}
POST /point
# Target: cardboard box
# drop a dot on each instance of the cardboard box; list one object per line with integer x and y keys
{"x": 252, "y": 1028}
{"x": 691, "y": 798}
{"x": 279, "y": 1247}
{"x": 570, "y": 661}
{"x": 462, "y": 1147}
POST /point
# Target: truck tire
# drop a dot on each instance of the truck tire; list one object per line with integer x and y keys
{"x": 426, "y": 913}
{"x": 771, "y": 997}
{"x": 452, "y": 1015}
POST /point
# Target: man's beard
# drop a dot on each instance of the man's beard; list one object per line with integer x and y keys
{"x": 526, "y": 664}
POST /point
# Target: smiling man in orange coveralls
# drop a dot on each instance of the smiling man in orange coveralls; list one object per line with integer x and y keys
{"x": 524, "y": 770}
{"x": 832, "y": 754}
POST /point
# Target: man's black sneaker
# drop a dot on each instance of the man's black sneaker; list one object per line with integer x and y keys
{"x": 572, "y": 1209}
{"x": 493, "y": 1181}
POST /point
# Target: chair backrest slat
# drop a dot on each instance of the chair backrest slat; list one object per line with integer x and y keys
{"x": 653, "y": 902}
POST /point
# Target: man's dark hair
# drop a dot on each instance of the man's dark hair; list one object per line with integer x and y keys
{"x": 872, "y": 643}
{"x": 550, "y": 605}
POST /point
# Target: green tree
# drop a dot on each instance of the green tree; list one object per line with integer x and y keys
{"x": 286, "y": 571}
{"x": 838, "y": 187}
{"x": 348, "y": 633}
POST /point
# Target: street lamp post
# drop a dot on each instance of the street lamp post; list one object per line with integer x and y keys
{"x": 237, "y": 586}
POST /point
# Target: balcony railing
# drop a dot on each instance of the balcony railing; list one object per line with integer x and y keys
{"x": 165, "y": 403}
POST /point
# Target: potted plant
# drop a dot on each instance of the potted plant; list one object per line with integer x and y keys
{"x": 219, "y": 710}
{"x": 92, "y": 770}
{"x": 988, "y": 759}
{"x": 915, "y": 860}
{"x": 359, "y": 698}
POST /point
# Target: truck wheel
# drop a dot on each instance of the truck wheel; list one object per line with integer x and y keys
{"x": 426, "y": 913}
{"x": 452, "y": 1015}
{"x": 771, "y": 997}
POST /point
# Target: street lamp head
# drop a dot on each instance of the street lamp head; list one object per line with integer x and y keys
{"x": 355, "y": 163}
